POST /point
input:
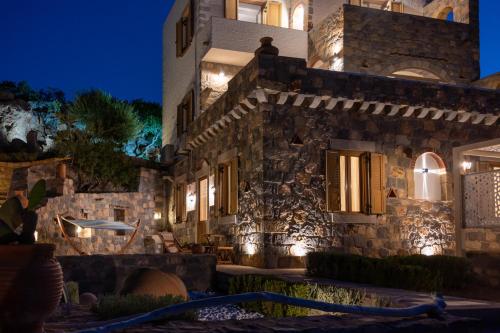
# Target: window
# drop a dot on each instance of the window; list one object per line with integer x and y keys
{"x": 228, "y": 188}
{"x": 298, "y": 17}
{"x": 203, "y": 201}
{"x": 184, "y": 30}
{"x": 119, "y": 215}
{"x": 180, "y": 203}
{"x": 185, "y": 113}
{"x": 355, "y": 182}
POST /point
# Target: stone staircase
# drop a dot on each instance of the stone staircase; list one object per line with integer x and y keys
{"x": 5, "y": 181}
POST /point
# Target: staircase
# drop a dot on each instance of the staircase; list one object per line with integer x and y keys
{"x": 5, "y": 181}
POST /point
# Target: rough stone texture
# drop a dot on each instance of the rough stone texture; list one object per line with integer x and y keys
{"x": 103, "y": 274}
{"x": 213, "y": 85}
{"x": 137, "y": 205}
{"x": 372, "y": 41}
{"x": 289, "y": 203}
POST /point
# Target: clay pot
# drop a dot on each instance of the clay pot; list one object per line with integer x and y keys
{"x": 149, "y": 281}
{"x": 61, "y": 171}
{"x": 31, "y": 284}
{"x": 266, "y": 47}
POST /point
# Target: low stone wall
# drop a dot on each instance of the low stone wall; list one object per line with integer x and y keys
{"x": 104, "y": 274}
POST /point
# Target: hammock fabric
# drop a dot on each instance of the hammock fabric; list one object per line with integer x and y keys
{"x": 96, "y": 224}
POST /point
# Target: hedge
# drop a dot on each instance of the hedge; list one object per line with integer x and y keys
{"x": 324, "y": 293}
{"x": 417, "y": 272}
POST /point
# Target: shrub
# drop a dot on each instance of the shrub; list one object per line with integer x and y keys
{"x": 258, "y": 283}
{"x": 416, "y": 272}
{"x": 113, "y": 306}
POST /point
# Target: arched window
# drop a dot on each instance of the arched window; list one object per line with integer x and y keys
{"x": 429, "y": 176}
{"x": 447, "y": 14}
{"x": 298, "y": 17}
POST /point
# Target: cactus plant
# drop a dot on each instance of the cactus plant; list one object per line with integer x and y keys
{"x": 18, "y": 223}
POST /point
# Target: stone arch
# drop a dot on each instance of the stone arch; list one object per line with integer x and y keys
{"x": 422, "y": 65}
{"x": 430, "y": 179}
{"x": 299, "y": 16}
{"x": 446, "y": 13}
{"x": 439, "y": 9}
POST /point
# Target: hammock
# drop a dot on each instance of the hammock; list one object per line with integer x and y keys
{"x": 97, "y": 224}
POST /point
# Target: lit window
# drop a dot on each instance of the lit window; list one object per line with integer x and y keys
{"x": 355, "y": 182}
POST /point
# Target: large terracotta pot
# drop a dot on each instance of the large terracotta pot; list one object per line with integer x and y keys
{"x": 31, "y": 284}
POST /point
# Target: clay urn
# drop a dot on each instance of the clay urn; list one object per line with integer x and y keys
{"x": 267, "y": 47}
{"x": 61, "y": 170}
{"x": 31, "y": 285}
{"x": 153, "y": 282}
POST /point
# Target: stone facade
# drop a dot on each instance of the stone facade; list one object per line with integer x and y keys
{"x": 106, "y": 274}
{"x": 282, "y": 202}
{"x": 358, "y": 39}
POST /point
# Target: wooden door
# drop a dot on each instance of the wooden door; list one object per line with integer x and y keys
{"x": 273, "y": 13}
{"x": 231, "y": 9}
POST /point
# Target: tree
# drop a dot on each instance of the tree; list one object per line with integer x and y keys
{"x": 97, "y": 128}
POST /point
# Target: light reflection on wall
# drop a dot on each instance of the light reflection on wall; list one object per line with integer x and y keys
{"x": 427, "y": 176}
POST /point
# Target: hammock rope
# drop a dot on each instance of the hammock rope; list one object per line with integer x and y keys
{"x": 78, "y": 249}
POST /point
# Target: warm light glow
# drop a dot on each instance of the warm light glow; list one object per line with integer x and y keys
{"x": 355, "y": 185}
{"x": 220, "y": 78}
{"x": 83, "y": 232}
{"x": 36, "y": 236}
{"x": 250, "y": 249}
{"x": 191, "y": 197}
{"x": 298, "y": 17}
{"x": 157, "y": 216}
{"x": 298, "y": 250}
{"x": 343, "y": 204}
{"x": 428, "y": 175}
{"x": 78, "y": 230}
{"x": 428, "y": 251}
{"x": 211, "y": 192}
{"x": 203, "y": 185}
{"x": 466, "y": 165}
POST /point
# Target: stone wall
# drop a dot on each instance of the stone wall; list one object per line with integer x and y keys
{"x": 213, "y": 83}
{"x": 106, "y": 274}
{"x": 139, "y": 205}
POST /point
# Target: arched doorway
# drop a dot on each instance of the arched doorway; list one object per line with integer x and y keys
{"x": 298, "y": 17}
{"x": 429, "y": 177}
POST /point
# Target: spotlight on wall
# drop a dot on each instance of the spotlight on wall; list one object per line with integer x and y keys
{"x": 425, "y": 170}
{"x": 428, "y": 251}
{"x": 36, "y": 236}
{"x": 250, "y": 249}
{"x": 220, "y": 78}
{"x": 157, "y": 216}
{"x": 466, "y": 165}
{"x": 298, "y": 250}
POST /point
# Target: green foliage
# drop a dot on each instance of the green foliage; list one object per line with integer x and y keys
{"x": 113, "y": 306}
{"x": 145, "y": 110}
{"x": 97, "y": 127}
{"x": 105, "y": 118}
{"x": 407, "y": 272}
{"x": 72, "y": 292}
{"x": 37, "y": 195}
{"x": 257, "y": 283}
{"x": 13, "y": 215}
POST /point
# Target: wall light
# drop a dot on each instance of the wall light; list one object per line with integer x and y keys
{"x": 428, "y": 251}
{"x": 36, "y": 236}
{"x": 157, "y": 216}
{"x": 250, "y": 249}
{"x": 466, "y": 165}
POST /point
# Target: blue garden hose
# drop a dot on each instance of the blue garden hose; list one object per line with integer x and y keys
{"x": 434, "y": 309}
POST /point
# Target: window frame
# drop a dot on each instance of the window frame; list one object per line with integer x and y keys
{"x": 184, "y": 30}
{"x": 180, "y": 202}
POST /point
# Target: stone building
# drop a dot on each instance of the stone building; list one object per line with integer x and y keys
{"x": 370, "y": 133}
{"x": 144, "y": 204}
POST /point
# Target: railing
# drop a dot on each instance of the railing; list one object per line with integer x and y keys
{"x": 481, "y": 199}
{"x": 435, "y": 309}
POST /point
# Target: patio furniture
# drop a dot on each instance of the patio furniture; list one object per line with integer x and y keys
{"x": 220, "y": 248}
{"x": 97, "y": 224}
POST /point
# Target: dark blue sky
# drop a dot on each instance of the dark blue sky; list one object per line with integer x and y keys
{"x": 116, "y": 45}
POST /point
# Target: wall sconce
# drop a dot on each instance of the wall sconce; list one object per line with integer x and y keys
{"x": 424, "y": 170}
{"x": 83, "y": 232}
{"x": 466, "y": 165}
{"x": 250, "y": 249}
{"x": 36, "y": 236}
{"x": 157, "y": 216}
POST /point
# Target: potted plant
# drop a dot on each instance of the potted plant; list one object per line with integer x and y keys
{"x": 31, "y": 279}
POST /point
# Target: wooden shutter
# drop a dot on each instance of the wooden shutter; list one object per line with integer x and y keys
{"x": 190, "y": 17}
{"x": 273, "y": 14}
{"x": 222, "y": 191}
{"x": 364, "y": 166}
{"x": 178, "y": 38}
{"x": 231, "y": 9}
{"x": 332, "y": 181}
{"x": 233, "y": 187}
{"x": 180, "y": 120}
{"x": 397, "y": 7}
{"x": 377, "y": 184}
{"x": 189, "y": 105}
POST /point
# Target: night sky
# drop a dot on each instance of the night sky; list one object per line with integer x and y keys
{"x": 116, "y": 45}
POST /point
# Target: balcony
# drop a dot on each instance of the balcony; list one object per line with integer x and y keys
{"x": 233, "y": 42}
